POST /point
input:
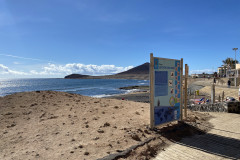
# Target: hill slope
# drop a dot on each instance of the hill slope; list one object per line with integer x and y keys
{"x": 139, "y": 72}
{"x": 141, "y": 69}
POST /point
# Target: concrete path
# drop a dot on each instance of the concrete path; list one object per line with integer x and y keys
{"x": 221, "y": 142}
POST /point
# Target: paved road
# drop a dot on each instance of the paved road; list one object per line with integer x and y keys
{"x": 221, "y": 142}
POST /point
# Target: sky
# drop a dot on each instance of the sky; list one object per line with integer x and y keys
{"x": 54, "y": 38}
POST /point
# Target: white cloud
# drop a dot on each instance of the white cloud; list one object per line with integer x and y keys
{"x": 90, "y": 69}
{"x": 6, "y": 70}
{"x": 26, "y": 58}
{"x": 52, "y": 70}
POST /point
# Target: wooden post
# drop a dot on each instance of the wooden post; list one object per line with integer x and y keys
{"x": 181, "y": 94}
{"x": 213, "y": 94}
{"x": 222, "y": 96}
{"x": 151, "y": 72}
{"x": 185, "y": 93}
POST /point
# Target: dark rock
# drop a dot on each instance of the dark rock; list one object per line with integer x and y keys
{"x": 135, "y": 137}
{"x": 12, "y": 125}
{"x": 106, "y": 124}
{"x": 86, "y": 153}
{"x": 100, "y": 131}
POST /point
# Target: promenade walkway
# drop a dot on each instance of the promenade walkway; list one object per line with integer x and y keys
{"x": 220, "y": 143}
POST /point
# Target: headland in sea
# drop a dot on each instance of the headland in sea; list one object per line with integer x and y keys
{"x": 140, "y": 72}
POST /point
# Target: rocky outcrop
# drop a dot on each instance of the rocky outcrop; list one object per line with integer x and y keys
{"x": 73, "y": 76}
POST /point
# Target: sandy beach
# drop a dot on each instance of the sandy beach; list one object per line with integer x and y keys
{"x": 204, "y": 87}
{"x": 58, "y": 125}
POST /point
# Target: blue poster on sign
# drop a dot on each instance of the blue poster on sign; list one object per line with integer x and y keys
{"x": 161, "y": 83}
{"x": 166, "y": 90}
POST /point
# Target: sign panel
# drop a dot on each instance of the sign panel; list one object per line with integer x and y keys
{"x": 167, "y": 90}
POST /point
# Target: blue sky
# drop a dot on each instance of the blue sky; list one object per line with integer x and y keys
{"x": 53, "y": 38}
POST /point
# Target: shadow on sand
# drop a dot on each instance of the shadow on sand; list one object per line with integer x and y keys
{"x": 211, "y": 143}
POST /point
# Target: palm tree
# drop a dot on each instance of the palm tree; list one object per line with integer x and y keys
{"x": 230, "y": 62}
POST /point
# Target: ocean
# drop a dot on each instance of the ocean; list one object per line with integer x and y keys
{"x": 88, "y": 87}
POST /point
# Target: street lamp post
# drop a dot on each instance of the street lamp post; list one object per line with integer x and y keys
{"x": 235, "y": 74}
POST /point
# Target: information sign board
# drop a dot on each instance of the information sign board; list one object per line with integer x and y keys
{"x": 167, "y": 90}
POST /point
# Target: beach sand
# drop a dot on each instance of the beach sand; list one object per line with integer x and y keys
{"x": 58, "y": 125}
{"x": 206, "y": 85}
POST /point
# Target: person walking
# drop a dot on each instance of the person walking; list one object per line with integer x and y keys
{"x": 229, "y": 83}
